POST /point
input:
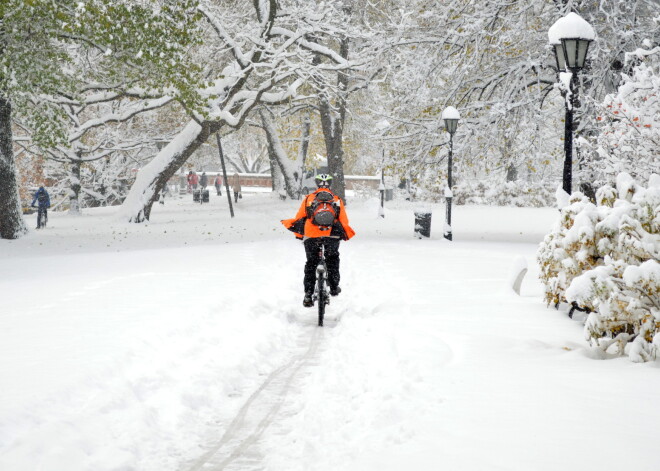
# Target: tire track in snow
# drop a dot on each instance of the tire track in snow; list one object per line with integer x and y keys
{"x": 235, "y": 449}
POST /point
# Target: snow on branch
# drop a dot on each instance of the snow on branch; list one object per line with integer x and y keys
{"x": 226, "y": 38}
{"x": 313, "y": 47}
{"x": 119, "y": 117}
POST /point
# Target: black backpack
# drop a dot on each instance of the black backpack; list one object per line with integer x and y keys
{"x": 323, "y": 211}
{"x": 42, "y": 197}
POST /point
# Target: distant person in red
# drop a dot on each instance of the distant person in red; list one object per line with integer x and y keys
{"x": 193, "y": 180}
{"x": 218, "y": 185}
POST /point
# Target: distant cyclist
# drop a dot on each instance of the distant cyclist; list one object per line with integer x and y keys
{"x": 321, "y": 220}
{"x": 41, "y": 196}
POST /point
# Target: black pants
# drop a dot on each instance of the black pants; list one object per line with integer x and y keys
{"x": 312, "y": 247}
{"x": 42, "y": 217}
{"x": 236, "y": 194}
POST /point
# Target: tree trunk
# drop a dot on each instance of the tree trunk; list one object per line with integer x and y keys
{"x": 281, "y": 166}
{"x": 332, "y": 122}
{"x": 276, "y": 182}
{"x": 302, "y": 152}
{"x": 74, "y": 191}
{"x": 153, "y": 177}
{"x": 12, "y": 225}
{"x": 333, "y": 131}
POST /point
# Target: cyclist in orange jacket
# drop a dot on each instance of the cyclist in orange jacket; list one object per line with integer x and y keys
{"x": 314, "y": 235}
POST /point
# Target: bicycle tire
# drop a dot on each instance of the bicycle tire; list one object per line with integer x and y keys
{"x": 42, "y": 218}
{"x": 321, "y": 300}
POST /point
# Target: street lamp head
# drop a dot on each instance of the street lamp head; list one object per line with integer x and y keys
{"x": 575, "y": 52}
{"x": 570, "y": 37}
{"x": 451, "y": 116}
{"x": 451, "y": 125}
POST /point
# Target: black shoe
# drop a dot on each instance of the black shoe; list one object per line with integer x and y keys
{"x": 307, "y": 300}
{"x": 335, "y": 291}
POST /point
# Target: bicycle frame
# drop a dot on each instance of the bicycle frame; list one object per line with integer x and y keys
{"x": 42, "y": 216}
{"x": 321, "y": 293}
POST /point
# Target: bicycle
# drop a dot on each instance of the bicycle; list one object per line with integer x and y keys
{"x": 321, "y": 292}
{"x": 42, "y": 217}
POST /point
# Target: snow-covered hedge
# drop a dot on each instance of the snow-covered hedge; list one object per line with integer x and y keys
{"x": 491, "y": 193}
{"x": 516, "y": 193}
{"x": 604, "y": 258}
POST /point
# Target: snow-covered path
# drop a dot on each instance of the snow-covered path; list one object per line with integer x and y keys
{"x": 239, "y": 446}
{"x": 183, "y": 345}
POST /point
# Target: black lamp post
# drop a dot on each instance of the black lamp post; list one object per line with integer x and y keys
{"x": 382, "y": 126}
{"x": 450, "y": 116}
{"x": 381, "y": 187}
{"x": 570, "y": 37}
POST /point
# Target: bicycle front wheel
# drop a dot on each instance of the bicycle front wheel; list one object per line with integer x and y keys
{"x": 321, "y": 302}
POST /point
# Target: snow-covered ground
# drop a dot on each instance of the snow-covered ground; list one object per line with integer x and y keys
{"x": 182, "y": 344}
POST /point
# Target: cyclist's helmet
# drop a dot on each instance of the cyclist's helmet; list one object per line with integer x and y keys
{"x": 323, "y": 180}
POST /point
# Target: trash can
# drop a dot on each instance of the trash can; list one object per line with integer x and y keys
{"x": 196, "y": 196}
{"x": 422, "y": 224}
{"x": 205, "y": 196}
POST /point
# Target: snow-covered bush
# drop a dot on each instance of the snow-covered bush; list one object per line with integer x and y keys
{"x": 626, "y": 298}
{"x": 516, "y": 193}
{"x": 570, "y": 249}
{"x": 605, "y": 259}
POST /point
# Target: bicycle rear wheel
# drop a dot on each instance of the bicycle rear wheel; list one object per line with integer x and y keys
{"x": 321, "y": 301}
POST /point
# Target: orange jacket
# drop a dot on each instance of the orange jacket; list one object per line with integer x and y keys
{"x": 302, "y": 226}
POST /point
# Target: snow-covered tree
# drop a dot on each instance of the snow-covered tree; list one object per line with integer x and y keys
{"x": 96, "y": 132}
{"x": 629, "y": 121}
{"x": 487, "y": 60}
{"x": 129, "y": 41}
{"x": 491, "y": 60}
{"x": 246, "y": 150}
{"x": 262, "y": 54}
